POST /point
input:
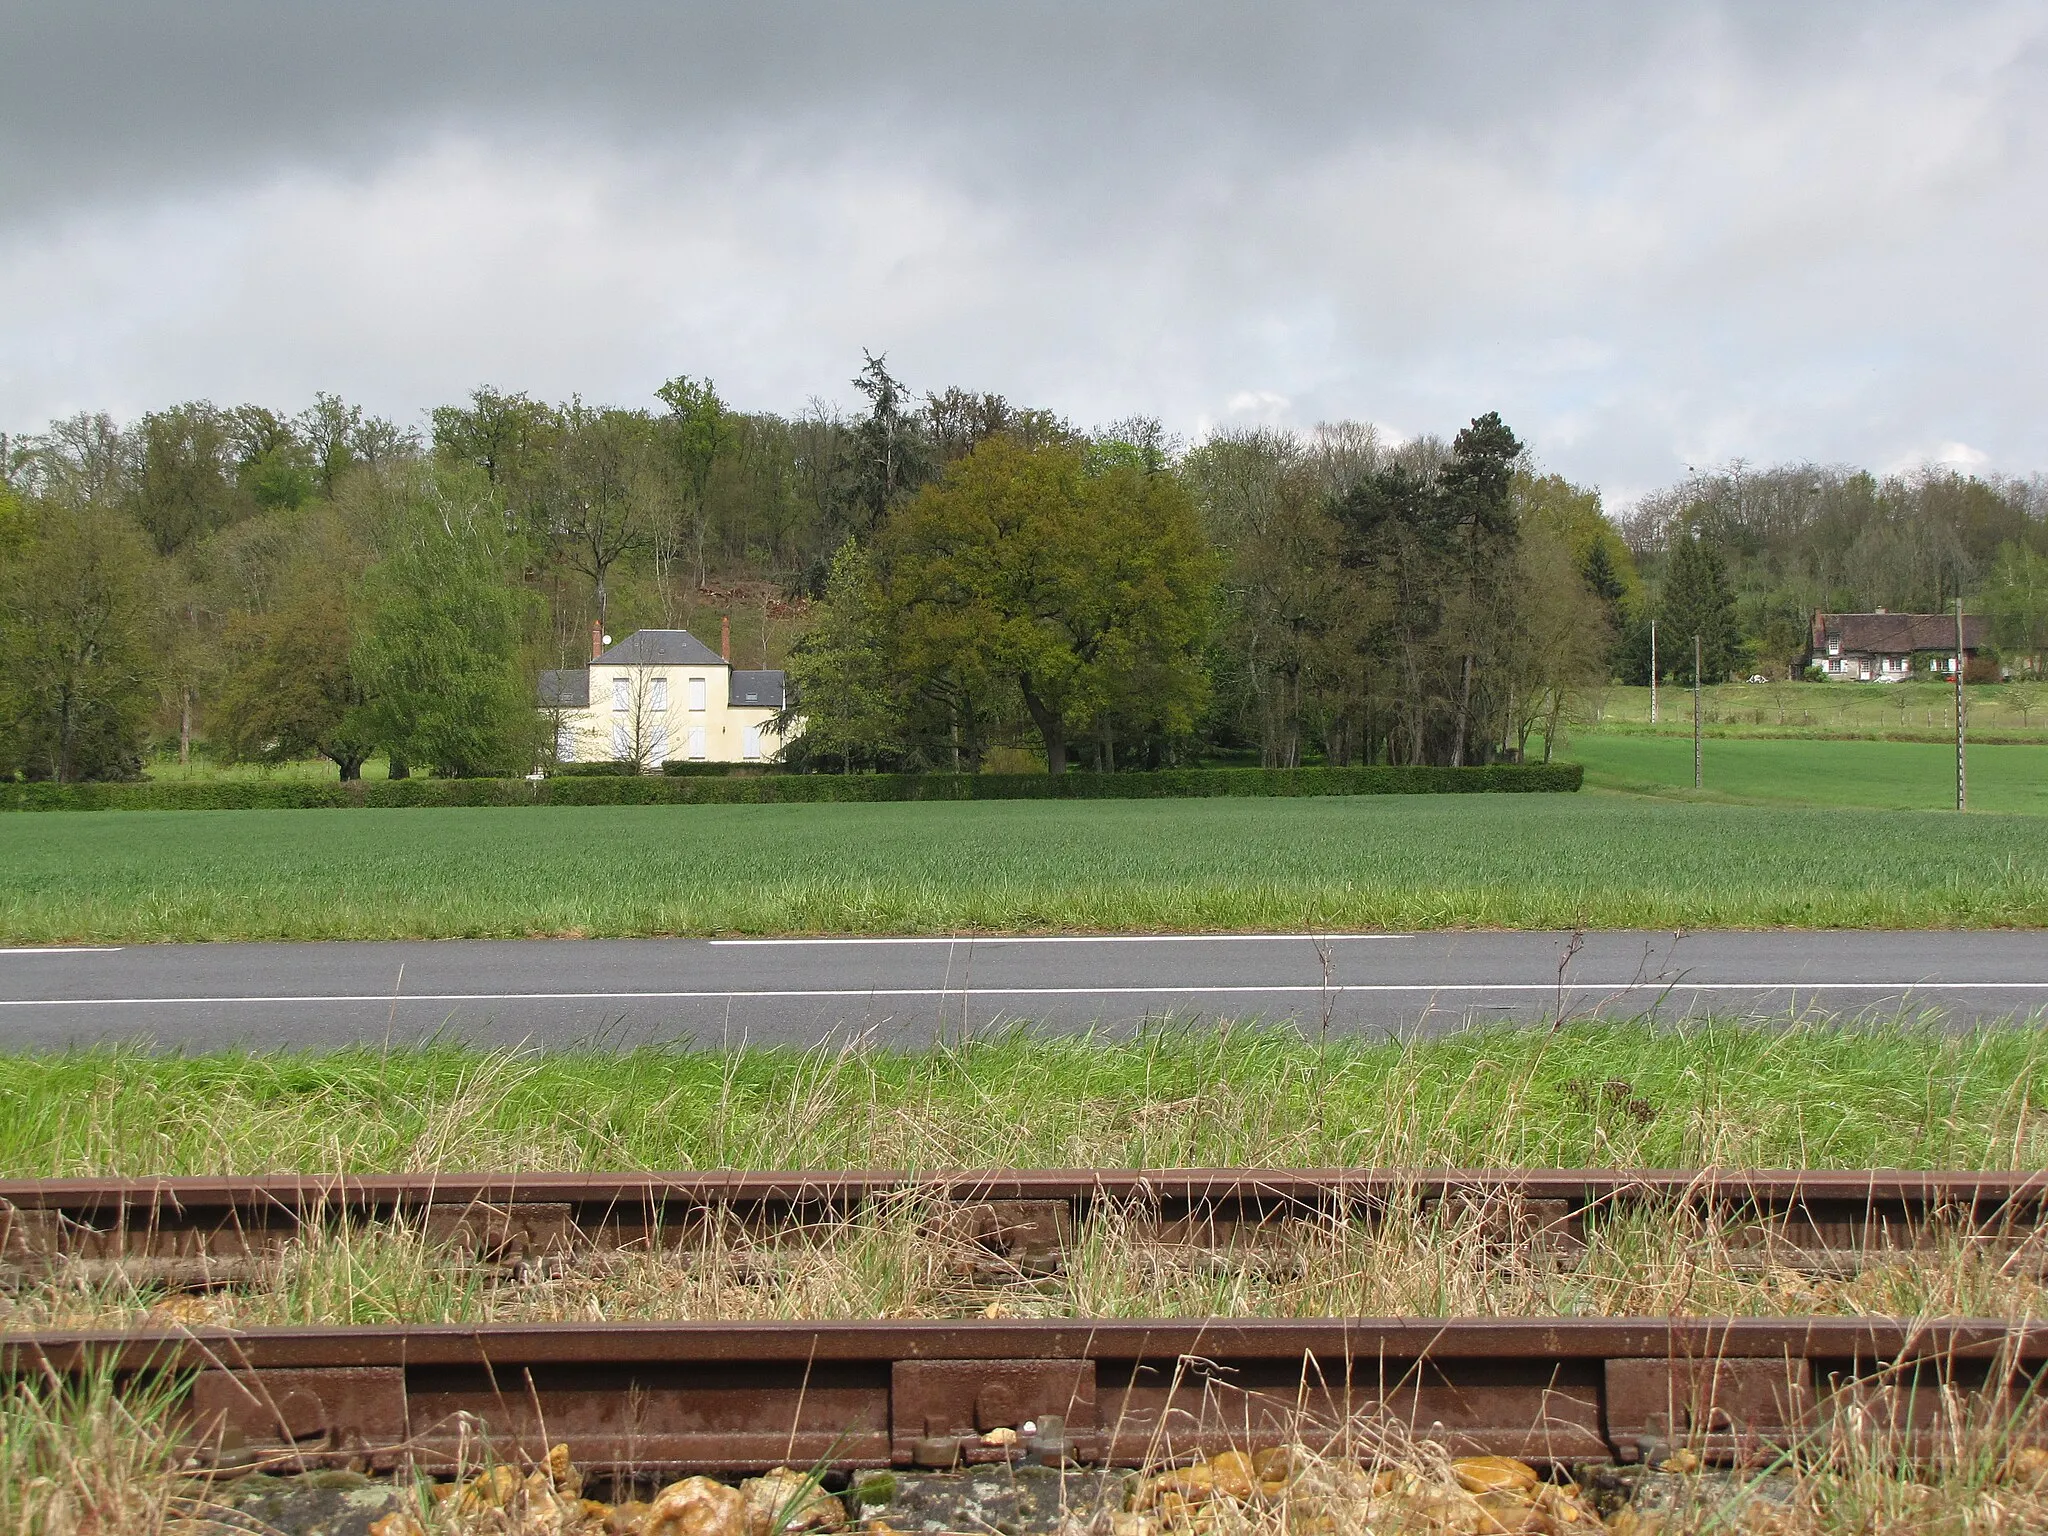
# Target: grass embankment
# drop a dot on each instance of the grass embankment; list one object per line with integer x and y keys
{"x": 1398, "y": 863}
{"x": 1885, "y": 775}
{"x": 1608, "y": 1094}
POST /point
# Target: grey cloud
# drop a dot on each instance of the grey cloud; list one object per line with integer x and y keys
{"x": 1651, "y": 234}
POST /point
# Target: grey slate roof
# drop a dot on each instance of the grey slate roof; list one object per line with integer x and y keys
{"x": 661, "y": 648}
{"x": 755, "y": 690}
{"x": 568, "y": 689}
{"x": 1898, "y": 634}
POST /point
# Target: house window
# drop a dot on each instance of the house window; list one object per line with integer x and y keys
{"x": 622, "y": 693}
{"x": 693, "y": 743}
{"x": 565, "y": 743}
{"x": 696, "y": 693}
{"x": 622, "y": 742}
{"x": 657, "y": 697}
{"x": 657, "y": 745}
{"x": 1834, "y": 647}
{"x": 750, "y": 744}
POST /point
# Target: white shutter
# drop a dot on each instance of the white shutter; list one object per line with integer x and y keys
{"x": 696, "y": 693}
{"x": 657, "y": 696}
{"x": 622, "y": 693}
{"x": 622, "y": 742}
{"x": 750, "y": 744}
{"x": 694, "y": 739}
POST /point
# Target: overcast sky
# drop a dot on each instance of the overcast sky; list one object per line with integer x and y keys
{"x": 1652, "y": 236}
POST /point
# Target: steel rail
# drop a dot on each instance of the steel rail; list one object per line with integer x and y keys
{"x": 652, "y": 1398}
{"x": 1024, "y": 1217}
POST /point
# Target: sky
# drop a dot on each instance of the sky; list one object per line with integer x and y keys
{"x": 1654, "y": 237}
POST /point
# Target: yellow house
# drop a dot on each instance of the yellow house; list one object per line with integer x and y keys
{"x": 662, "y": 695}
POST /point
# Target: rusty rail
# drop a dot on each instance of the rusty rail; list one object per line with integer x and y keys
{"x": 201, "y": 1228}
{"x": 642, "y": 1399}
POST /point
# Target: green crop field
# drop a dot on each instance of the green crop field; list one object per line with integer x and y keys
{"x": 1390, "y": 862}
{"x": 1888, "y": 775}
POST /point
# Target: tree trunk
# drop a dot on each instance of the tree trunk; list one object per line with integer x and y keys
{"x": 185, "y": 725}
{"x": 1052, "y": 729}
{"x": 1464, "y": 710}
{"x": 65, "y": 731}
{"x": 400, "y": 768}
{"x": 351, "y": 767}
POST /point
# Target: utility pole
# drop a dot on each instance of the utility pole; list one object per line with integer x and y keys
{"x": 1962, "y": 781}
{"x": 1696, "y": 783}
{"x": 1653, "y": 671}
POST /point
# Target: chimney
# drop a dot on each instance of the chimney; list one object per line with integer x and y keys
{"x": 725, "y": 638}
{"x": 596, "y": 639}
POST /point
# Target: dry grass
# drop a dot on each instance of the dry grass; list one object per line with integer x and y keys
{"x": 902, "y": 1258}
{"x": 79, "y": 1463}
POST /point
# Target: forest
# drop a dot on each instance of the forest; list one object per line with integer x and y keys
{"x": 952, "y": 580}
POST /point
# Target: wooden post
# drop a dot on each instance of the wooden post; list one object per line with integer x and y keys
{"x": 1696, "y": 781}
{"x": 1962, "y": 779}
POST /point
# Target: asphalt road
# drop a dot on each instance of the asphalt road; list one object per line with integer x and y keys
{"x": 908, "y": 992}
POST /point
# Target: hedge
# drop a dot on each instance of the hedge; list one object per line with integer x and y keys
{"x": 791, "y": 787}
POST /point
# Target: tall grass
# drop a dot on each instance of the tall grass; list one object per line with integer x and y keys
{"x": 903, "y": 1258}
{"x": 1392, "y": 862}
{"x": 1601, "y": 1094}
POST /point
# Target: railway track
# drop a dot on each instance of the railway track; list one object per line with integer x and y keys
{"x": 655, "y": 1398}
{"x": 649, "y": 1399}
{"x": 211, "y": 1231}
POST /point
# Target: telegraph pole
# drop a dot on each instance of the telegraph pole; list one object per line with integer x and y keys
{"x": 1653, "y": 671}
{"x": 1962, "y": 780}
{"x": 1696, "y": 783}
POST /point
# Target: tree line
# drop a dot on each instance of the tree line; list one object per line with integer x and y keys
{"x": 951, "y": 579}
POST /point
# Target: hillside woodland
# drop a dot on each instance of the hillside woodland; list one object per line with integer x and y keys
{"x": 952, "y": 581}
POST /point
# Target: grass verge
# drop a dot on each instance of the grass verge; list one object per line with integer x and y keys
{"x": 1392, "y": 863}
{"x": 1605, "y": 1094}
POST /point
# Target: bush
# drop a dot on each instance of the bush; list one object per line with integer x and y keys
{"x": 608, "y": 769}
{"x": 784, "y": 788}
{"x": 689, "y": 768}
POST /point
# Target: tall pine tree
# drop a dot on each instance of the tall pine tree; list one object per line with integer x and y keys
{"x": 1696, "y": 601}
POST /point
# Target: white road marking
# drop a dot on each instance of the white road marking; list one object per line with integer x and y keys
{"x": 1077, "y": 938}
{"x": 1309, "y": 988}
{"x": 73, "y": 949}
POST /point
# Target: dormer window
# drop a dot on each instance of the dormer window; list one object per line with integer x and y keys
{"x": 1834, "y": 647}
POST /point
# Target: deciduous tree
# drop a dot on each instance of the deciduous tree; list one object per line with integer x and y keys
{"x": 78, "y": 618}
{"x": 1089, "y": 592}
{"x": 438, "y": 651}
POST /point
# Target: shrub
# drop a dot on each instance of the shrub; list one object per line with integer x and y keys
{"x": 783, "y": 788}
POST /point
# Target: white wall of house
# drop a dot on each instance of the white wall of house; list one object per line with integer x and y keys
{"x": 654, "y": 714}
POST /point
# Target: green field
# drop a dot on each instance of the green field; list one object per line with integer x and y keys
{"x": 1368, "y": 862}
{"x": 1887, "y": 775}
{"x": 1606, "y": 1094}
{"x": 1923, "y": 710}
